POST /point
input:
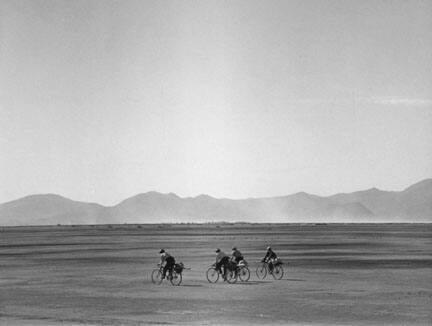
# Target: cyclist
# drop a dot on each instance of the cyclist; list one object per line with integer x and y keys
{"x": 269, "y": 258}
{"x": 222, "y": 260}
{"x": 169, "y": 263}
{"x": 236, "y": 255}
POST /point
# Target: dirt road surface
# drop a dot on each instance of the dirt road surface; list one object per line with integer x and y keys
{"x": 100, "y": 275}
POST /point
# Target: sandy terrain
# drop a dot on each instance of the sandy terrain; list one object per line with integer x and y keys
{"x": 337, "y": 274}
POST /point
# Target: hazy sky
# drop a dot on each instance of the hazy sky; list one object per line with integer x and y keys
{"x": 101, "y": 100}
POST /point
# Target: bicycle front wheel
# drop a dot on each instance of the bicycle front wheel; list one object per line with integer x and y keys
{"x": 212, "y": 275}
{"x": 278, "y": 272}
{"x": 261, "y": 271}
{"x": 176, "y": 279}
{"x": 156, "y": 276}
{"x": 244, "y": 274}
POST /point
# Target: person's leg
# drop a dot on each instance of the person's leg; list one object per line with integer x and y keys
{"x": 171, "y": 263}
{"x": 236, "y": 261}
{"x": 271, "y": 266}
{"x": 165, "y": 269}
{"x": 225, "y": 266}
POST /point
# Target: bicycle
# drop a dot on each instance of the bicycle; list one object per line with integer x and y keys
{"x": 175, "y": 277}
{"x": 212, "y": 275}
{"x": 263, "y": 269}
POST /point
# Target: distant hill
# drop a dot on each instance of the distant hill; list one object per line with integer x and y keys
{"x": 410, "y": 205}
{"x": 49, "y": 209}
{"x": 413, "y": 204}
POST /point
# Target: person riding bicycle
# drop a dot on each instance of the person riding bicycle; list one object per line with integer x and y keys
{"x": 222, "y": 260}
{"x": 236, "y": 255}
{"x": 269, "y": 258}
{"x": 169, "y": 262}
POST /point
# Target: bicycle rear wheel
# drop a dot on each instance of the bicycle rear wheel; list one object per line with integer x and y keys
{"x": 244, "y": 274}
{"x": 212, "y": 275}
{"x": 176, "y": 278}
{"x": 278, "y": 272}
{"x": 261, "y": 271}
{"x": 156, "y": 276}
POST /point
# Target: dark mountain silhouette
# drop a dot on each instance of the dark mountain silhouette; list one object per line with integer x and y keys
{"x": 413, "y": 204}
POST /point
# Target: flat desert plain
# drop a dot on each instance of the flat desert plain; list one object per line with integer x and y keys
{"x": 335, "y": 274}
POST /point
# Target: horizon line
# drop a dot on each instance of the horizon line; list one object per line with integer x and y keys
{"x": 138, "y": 225}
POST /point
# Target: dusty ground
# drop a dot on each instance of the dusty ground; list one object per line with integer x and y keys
{"x": 337, "y": 274}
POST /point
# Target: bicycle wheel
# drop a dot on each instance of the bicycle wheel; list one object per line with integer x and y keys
{"x": 278, "y": 272}
{"x": 231, "y": 276}
{"x": 176, "y": 278}
{"x": 212, "y": 275}
{"x": 261, "y": 271}
{"x": 156, "y": 276}
{"x": 244, "y": 274}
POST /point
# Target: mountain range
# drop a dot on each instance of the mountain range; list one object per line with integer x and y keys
{"x": 414, "y": 204}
